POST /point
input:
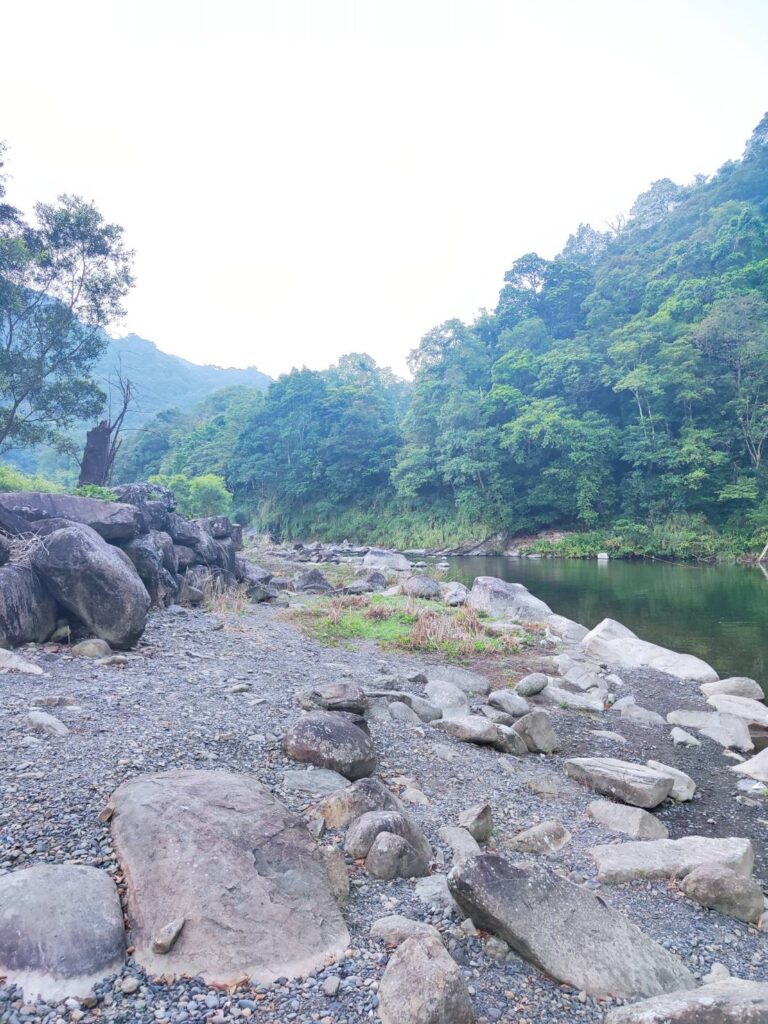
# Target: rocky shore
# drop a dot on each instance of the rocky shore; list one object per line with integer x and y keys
{"x": 308, "y": 833}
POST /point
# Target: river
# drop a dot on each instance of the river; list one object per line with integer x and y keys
{"x": 719, "y": 613}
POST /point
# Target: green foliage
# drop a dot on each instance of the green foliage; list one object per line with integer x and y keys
{"x": 197, "y": 496}
{"x": 12, "y": 480}
{"x": 95, "y": 491}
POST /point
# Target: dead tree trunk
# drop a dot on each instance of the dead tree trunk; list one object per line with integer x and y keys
{"x": 94, "y": 469}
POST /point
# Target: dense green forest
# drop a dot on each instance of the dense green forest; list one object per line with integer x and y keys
{"x": 619, "y": 389}
{"x": 618, "y": 392}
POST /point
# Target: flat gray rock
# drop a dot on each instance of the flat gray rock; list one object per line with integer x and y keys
{"x": 451, "y": 700}
{"x": 565, "y": 930}
{"x": 395, "y": 928}
{"x": 552, "y": 694}
{"x": 683, "y": 786}
{"x": 462, "y": 844}
{"x": 471, "y": 683}
{"x": 61, "y": 930}
{"x": 510, "y": 702}
{"x": 315, "y": 782}
{"x": 670, "y": 858}
{"x": 734, "y": 686}
{"x": 612, "y": 643}
{"x": 726, "y": 891}
{"x": 217, "y": 849}
{"x": 546, "y": 837}
{"x": 756, "y": 767}
{"x": 754, "y": 712}
{"x": 732, "y": 1001}
{"x": 630, "y": 821}
{"x": 623, "y": 780}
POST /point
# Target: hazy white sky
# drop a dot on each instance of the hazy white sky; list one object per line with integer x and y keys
{"x": 304, "y": 178}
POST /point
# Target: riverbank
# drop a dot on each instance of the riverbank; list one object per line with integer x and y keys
{"x": 220, "y": 690}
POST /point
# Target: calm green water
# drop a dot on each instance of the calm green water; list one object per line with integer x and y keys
{"x": 719, "y": 613}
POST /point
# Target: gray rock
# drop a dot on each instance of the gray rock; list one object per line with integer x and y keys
{"x": 725, "y": 1002}
{"x": 422, "y": 984}
{"x": 734, "y": 686}
{"x": 509, "y": 702}
{"x": 433, "y": 890}
{"x": 496, "y": 716}
{"x": 61, "y": 930}
{"x": 10, "y": 662}
{"x": 342, "y": 807}
{"x": 381, "y": 558}
{"x": 606, "y": 734}
{"x": 96, "y": 582}
{"x": 536, "y": 729}
{"x": 727, "y": 730}
{"x": 531, "y": 684}
{"x": 363, "y": 831}
{"x": 566, "y": 931}
{"x": 336, "y": 869}
{"x": 669, "y": 858}
{"x": 165, "y": 938}
{"x": 756, "y": 767}
{"x": 454, "y": 594}
{"x": 754, "y": 712}
{"x": 46, "y": 723}
{"x": 396, "y": 928}
{"x": 546, "y": 837}
{"x": 471, "y": 683}
{"x": 112, "y": 520}
{"x": 151, "y": 553}
{"x": 92, "y": 649}
{"x": 726, "y": 891}
{"x": 331, "y": 740}
{"x": 392, "y": 856}
{"x": 642, "y": 716}
{"x": 623, "y": 780}
{"x": 311, "y": 582}
{"x": 630, "y": 821}
{"x": 401, "y": 712}
{"x": 560, "y": 697}
{"x": 27, "y": 610}
{"x": 255, "y": 892}
{"x": 462, "y": 844}
{"x": 510, "y": 601}
{"x": 421, "y": 586}
{"x": 681, "y": 738}
{"x": 511, "y": 742}
{"x": 478, "y": 821}
{"x": 612, "y": 643}
{"x": 335, "y": 697}
{"x": 315, "y": 782}
{"x": 449, "y": 698}
{"x": 471, "y": 729}
{"x": 683, "y": 786}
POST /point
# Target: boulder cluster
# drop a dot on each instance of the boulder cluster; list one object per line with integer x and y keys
{"x": 72, "y": 564}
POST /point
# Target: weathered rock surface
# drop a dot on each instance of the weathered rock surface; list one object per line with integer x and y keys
{"x": 27, "y": 610}
{"x": 470, "y": 683}
{"x": 331, "y": 740}
{"x": 631, "y": 821}
{"x": 536, "y": 729}
{"x": 454, "y": 594}
{"x": 311, "y": 582}
{"x": 727, "y": 730}
{"x": 95, "y": 582}
{"x": 450, "y": 699}
{"x": 546, "y": 837}
{"x": 566, "y": 931}
{"x": 155, "y": 560}
{"x": 395, "y": 928}
{"x": 112, "y": 520}
{"x": 422, "y": 586}
{"x": 670, "y": 858}
{"x": 724, "y": 1002}
{"x": 61, "y": 930}
{"x": 623, "y": 780}
{"x": 509, "y": 702}
{"x": 363, "y": 831}
{"x": 340, "y": 808}
{"x": 614, "y": 644}
{"x": 560, "y": 697}
{"x": 94, "y": 648}
{"x": 734, "y": 686}
{"x": 478, "y": 821}
{"x": 316, "y": 782}
{"x": 726, "y": 891}
{"x": 756, "y": 767}
{"x": 49, "y": 724}
{"x": 423, "y": 984}
{"x": 470, "y": 729}
{"x": 461, "y": 843}
{"x": 531, "y": 684}
{"x": 381, "y": 558}
{"x": 510, "y": 601}
{"x": 683, "y": 786}
{"x": 752, "y": 711}
{"x": 392, "y": 856}
{"x": 335, "y": 697}
{"x": 255, "y": 892}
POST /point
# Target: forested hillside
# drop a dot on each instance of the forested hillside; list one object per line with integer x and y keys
{"x": 620, "y": 388}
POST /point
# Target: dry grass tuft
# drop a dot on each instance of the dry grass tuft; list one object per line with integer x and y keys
{"x": 221, "y": 599}
{"x": 377, "y": 612}
{"x": 23, "y": 548}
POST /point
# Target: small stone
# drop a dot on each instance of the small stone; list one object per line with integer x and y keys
{"x": 167, "y": 935}
{"x": 46, "y": 723}
{"x": 129, "y": 985}
{"x": 681, "y": 738}
{"x": 396, "y": 929}
{"x": 531, "y": 684}
{"x": 478, "y": 821}
{"x": 94, "y": 648}
{"x": 331, "y": 986}
{"x": 547, "y": 837}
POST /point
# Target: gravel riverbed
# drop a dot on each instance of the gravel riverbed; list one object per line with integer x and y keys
{"x": 205, "y": 691}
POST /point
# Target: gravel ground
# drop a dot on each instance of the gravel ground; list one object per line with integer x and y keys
{"x": 171, "y": 707}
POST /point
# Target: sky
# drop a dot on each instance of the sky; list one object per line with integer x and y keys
{"x": 306, "y": 178}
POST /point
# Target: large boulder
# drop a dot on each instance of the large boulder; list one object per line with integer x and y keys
{"x": 732, "y": 1001}
{"x": 421, "y": 586}
{"x": 631, "y": 783}
{"x": 510, "y": 601}
{"x": 756, "y": 767}
{"x": 754, "y": 712}
{"x": 154, "y": 558}
{"x": 734, "y": 686}
{"x": 725, "y": 890}
{"x": 631, "y": 821}
{"x": 27, "y": 610}
{"x": 340, "y": 808}
{"x": 332, "y": 740}
{"x": 61, "y": 930}
{"x": 472, "y": 683}
{"x": 612, "y": 643}
{"x": 727, "y": 730}
{"x": 217, "y": 851}
{"x": 96, "y": 582}
{"x": 381, "y": 558}
{"x": 669, "y": 858}
{"x": 112, "y": 520}
{"x": 565, "y": 930}
{"x": 423, "y": 984}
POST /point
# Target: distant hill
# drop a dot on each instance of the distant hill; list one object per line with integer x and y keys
{"x": 163, "y": 381}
